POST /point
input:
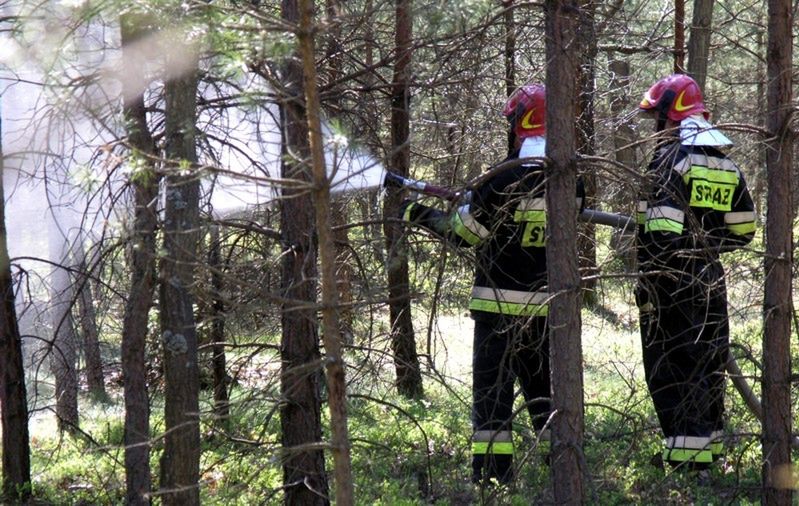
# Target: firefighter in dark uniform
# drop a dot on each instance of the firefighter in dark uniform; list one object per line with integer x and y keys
{"x": 696, "y": 207}
{"x": 505, "y": 219}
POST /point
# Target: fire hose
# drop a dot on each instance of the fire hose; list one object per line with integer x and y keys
{"x": 625, "y": 223}
{"x": 587, "y": 215}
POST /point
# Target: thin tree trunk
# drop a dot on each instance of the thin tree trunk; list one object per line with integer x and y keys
{"x": 91, "y": 336}
{"x": 338, "y": 205}
{"x": 180, "y": 462}
{"x": 344, "y": 271}
{"x": 403, "y": 343}
{"x": 679, "y": 36}
{"x": 760, "y": 172}
{"x": 510, "y": 60}
{"x": 624, "y": 152}
{"x": 142, "y": 273}
{"x": 562, "y": 23}
{"x": 64, "y": 345}
{"x": 331, "y": 334}
{"x": 699, "y": 41}
{"x": 370, "y": 205}
{"x": 777, "y": 310}
{"x": 586, "y": 239}
{"x": 623, "y": 134}
{"x": 304, "y": 477}
{"x": 218, "y": 356}
{"x": 13, "y": 397}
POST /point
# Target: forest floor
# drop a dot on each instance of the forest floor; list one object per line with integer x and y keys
{"x": 408, "y": 452}
{"x": 417, "y": 452}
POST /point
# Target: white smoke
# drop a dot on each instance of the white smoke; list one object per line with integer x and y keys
{"x": 61, "y": 102}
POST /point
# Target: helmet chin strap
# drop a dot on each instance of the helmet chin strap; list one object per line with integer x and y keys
{"x": 511, "y": 141}
{"x": 663, "y": 109}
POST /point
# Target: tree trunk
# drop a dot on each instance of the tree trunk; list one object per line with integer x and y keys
{"x": 623, "y": 135}
{"x": 344, "y": 271}
{"x": 777, "y": 311}
{"x": 679, "y": 36}
{"x": 761, "y": 174}
{"x": 370, "y": 204}
{"x": 699, "y": 41}
{"x": 403, "y": 343}
{"x": 331, "y": 334}
{"x": 142, "y": 273}
{"x": 304, "y": 475}
{"x": 586, "y": 238}
{"x": 180, "y": 462}
{"x": 13, "y": 397}
{"x": 624, "y": 152}
{"x": 562, "y": 24}
{"x": 64, "y": 345}
{"x": 510, "y": 60}
{"x": 338, "y": 205}
{"x": 218, "y": 357}
{"x": 91, "y": 336}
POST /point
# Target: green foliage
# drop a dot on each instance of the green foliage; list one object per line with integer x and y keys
{"x": 417, "y": 452}
{"x": 80, "y": 469}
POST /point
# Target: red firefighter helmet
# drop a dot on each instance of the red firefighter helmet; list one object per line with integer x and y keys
{"x": 677, "y": 96}
{"x": 526, "y": 110}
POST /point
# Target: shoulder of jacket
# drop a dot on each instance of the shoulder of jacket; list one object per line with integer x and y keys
{"x": 704, "y": 157}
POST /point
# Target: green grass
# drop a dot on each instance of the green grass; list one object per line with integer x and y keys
{"x": 417, "y": 452}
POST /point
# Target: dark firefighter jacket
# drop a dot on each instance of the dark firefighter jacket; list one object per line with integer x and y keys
{"x": 698, "y": 206}
{"x": 506, "y": 220}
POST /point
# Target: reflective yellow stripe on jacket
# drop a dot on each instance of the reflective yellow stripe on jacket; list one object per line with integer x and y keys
{"x": 641, "y": 215}
{"x": 467, "y": 227}
{"x": 664, "y": 219}
{"x": 712, "y": 181}
{"x": 740, "y": 223}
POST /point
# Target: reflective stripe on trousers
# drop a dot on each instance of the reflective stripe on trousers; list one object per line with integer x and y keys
{"x": 497, "y": 442}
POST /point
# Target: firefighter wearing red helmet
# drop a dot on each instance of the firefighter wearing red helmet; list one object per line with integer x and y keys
{"x": 505, "y": 220}
{"x": 526, "y": 111}
{"x": 677, "y": 96}
{"x": 696, "y": 207}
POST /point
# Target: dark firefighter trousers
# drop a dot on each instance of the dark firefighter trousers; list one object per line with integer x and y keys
{"x": 506, "y": 348}
{"x": 685, "y": 335}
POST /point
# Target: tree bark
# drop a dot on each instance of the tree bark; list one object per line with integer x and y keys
{"x": 403, "y": 342}
{"x": 562, "y": 71}
{"x": 699, "y": 41}
{"x": 304, "y": 475}
{"x": 777, "y": 310}
{"x": 88, "y": 326}
{"x": 371, "y": 210}
{"x": 679, "y": 36}
{"x": 142, "y": 272}
{"x": 586, "y": 238}
{"x": 338, "y": 205}
{"x": 64, "y": 352}
{"x": 624, "y": 152}
{"x": 761, "y": 172}
{"x": 180, "y": 462}
{"x": 217, "y": 331}
{"x": 510, "y": 60}
{"x": 331, "y": 334}
{"x": 13, "y": 396}
{"x": 623, "y": 134}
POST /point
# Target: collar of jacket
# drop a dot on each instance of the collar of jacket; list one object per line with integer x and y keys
{"x": 697, "y": 131}
{"x": 533, "y": 146}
